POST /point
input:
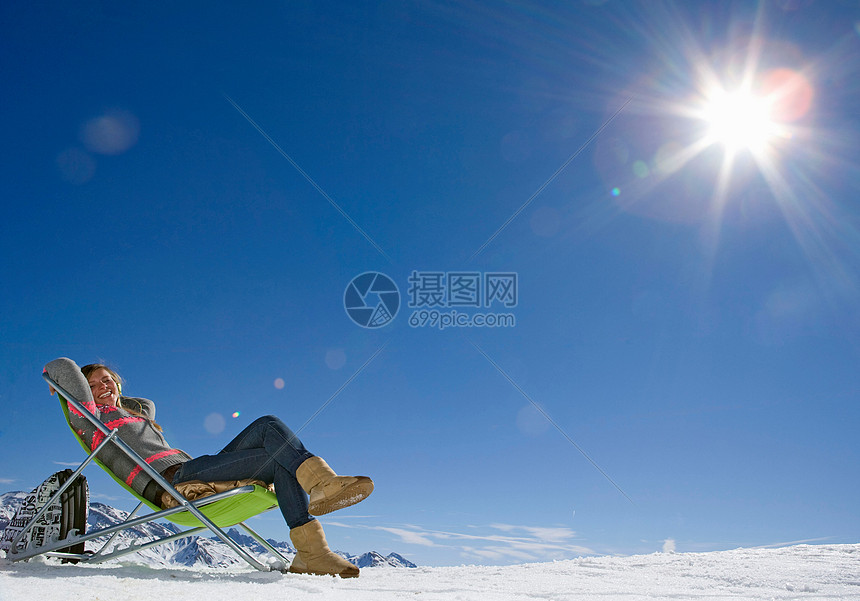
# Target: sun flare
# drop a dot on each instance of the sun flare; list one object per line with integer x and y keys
{"x": 739, "y": 120}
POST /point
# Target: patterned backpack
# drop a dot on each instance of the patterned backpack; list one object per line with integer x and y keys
{"x": 67, "y": 515}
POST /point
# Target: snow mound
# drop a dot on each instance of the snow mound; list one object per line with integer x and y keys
{"x": 799, "y": 572}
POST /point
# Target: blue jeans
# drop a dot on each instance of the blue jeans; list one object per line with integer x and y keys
{"x": 266, "y": 450}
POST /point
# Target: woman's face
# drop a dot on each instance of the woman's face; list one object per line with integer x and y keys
{"x": 105, "y": 390}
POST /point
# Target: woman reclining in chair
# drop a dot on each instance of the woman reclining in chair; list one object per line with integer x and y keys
{"x": 267, "y": 450}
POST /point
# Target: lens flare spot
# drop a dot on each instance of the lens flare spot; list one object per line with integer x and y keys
{"x": 788, "y": 93}
{"x": 214, "y": 423}
{"x": 640, "y": 169}
{"x": 531, "y": 422}
{"x": 236, "y": 414}
{"x": 279, "y": 383}
{"x": 112, "y": 133}
{"x": 335, "y": 358}
{"x": 615, "y": 192}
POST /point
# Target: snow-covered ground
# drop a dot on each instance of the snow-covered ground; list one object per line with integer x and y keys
{"x": 800, "y": 572}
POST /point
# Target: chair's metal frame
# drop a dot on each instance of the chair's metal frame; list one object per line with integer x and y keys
{"x": 50, "y": 549}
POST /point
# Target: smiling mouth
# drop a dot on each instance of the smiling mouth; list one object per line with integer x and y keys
{"x": 105, "y": 395}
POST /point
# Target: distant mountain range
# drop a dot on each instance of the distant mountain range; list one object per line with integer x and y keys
{"x": 193, "y": 551}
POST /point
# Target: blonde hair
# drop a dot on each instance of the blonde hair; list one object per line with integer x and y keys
{"x": 89, "y": 369}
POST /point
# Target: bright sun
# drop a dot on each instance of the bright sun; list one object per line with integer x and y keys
{"x": 738, "y": 120}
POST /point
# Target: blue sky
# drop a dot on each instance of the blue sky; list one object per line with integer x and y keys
{"x": 190, "y": 190}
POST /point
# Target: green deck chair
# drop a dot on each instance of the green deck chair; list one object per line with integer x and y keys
{"x": 212, "y": 513}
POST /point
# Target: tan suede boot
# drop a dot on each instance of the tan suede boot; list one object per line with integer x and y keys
{"x": 327, "y": 490}
{"x": 313, "y": 555}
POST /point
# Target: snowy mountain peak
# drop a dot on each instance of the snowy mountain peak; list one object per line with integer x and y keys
{"x": 372, "y": 559}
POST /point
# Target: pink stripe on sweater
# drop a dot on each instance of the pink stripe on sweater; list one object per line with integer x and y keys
{"x": 98, "y": 437}
{"x": 137, "y": 469}
{"x": 123, "y": 421}
{"x": 92, "y": 409}
{"x": 158, "y": 456}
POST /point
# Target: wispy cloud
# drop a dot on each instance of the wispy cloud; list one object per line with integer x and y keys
{"x": 413, "y": 537}
{"x": 542, "y": 533}
{"x": 7, "y": 480}
{"x": 68, "y": 463}
{"x": 496, "y": 542}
